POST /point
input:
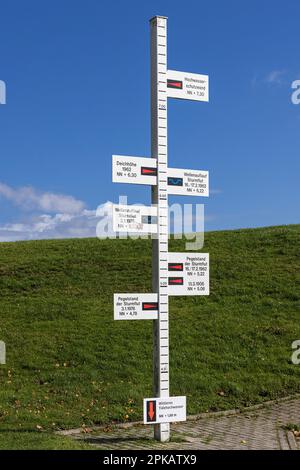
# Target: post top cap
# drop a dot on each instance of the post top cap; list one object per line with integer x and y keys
{"x": 158, "y": 16}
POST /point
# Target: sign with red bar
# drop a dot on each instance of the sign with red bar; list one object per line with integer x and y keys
{"x": 164, "y": 410}
{"x": 187, "y": 86}
{"x": 193, "y": 273}
{"x": 136, "y": 170}
{"x": 135, "y": 306}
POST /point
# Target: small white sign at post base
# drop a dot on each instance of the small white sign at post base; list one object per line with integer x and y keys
{"x": 188, "y": 273}
{"x": 135, "y": 307}
{"x": 187, "y": 86}
{"x": 164, "y": 410}
{"x": 134, "y": 219}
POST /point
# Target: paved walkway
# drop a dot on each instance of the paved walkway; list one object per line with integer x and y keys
{"x": 252, "y": 428}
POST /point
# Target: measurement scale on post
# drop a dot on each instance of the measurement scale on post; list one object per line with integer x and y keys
{"x": 159, "y": 151}
{"x": 172, "y": 273}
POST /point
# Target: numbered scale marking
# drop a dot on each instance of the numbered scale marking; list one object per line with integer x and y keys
{"x": 172, "y": 273}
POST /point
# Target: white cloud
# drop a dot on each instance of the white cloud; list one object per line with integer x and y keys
{"x": 28, "y": 198}
{"x": 61, "y": 225}
{"x": 46, "y": 215}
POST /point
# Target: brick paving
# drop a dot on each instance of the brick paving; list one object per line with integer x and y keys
{"x": 262, "y": 427}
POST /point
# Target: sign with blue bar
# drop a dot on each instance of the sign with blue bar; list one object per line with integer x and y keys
{"x": 188, "y": 182}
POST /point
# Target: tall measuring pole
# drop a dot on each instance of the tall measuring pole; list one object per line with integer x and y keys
{"x": 172, "y": 273}
{"x": 159, "y": 151}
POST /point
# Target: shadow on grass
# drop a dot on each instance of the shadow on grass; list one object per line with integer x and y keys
{"x": 20, "y": 431}
{"x": 106, "y": 440}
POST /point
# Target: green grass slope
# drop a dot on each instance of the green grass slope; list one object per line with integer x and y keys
{"x": 69, "y": 364}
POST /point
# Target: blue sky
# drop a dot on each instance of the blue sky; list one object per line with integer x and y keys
{"x": 77, "y": 77}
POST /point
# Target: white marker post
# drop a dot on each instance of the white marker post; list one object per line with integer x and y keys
{"x": 159, "y": 151}
{"x": 172, "y": 273}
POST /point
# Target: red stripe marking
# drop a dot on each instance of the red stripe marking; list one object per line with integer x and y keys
{"x": 149, "y": 306}
{"x": 175, "y": 267}
{"x": 174, "y": 84}
{"x": 148, "y": 171}
{"x": 175, "y": 280}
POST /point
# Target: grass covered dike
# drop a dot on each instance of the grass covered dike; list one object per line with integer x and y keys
{"x": 69, "y": 364}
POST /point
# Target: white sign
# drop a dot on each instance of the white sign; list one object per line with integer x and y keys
{"x": 138, "y": 170}
{"x": 187, "y": 86}
{"x": 188, "y": 182}
{"x": 143, "y": 170}
{"x": 135, "y": 219}
{"x": 135, "y": 307}
{"x": 188, "y": 273}
{"x": 164, "y": 410}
